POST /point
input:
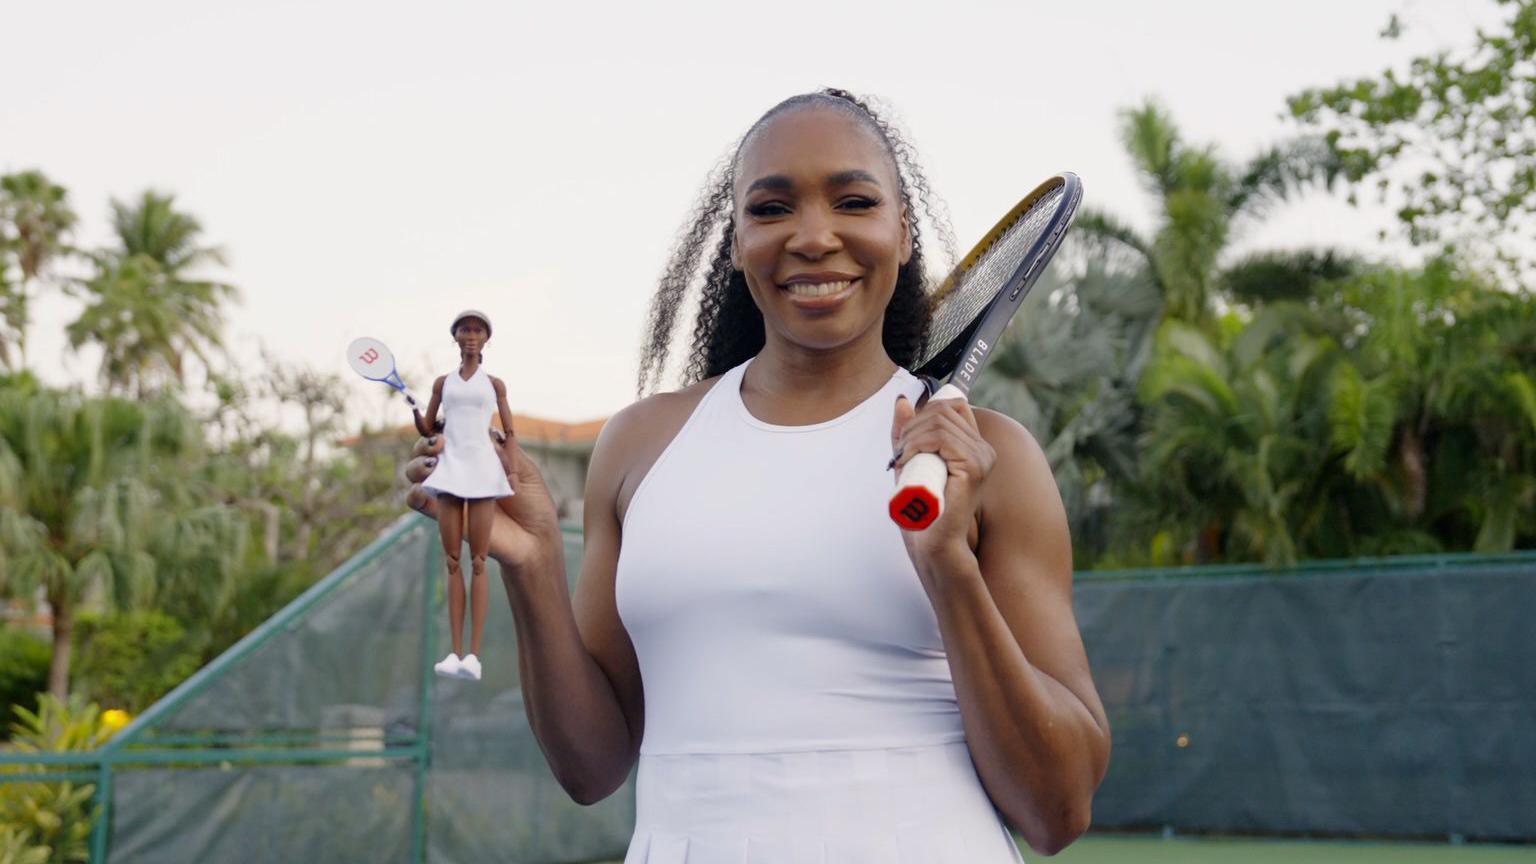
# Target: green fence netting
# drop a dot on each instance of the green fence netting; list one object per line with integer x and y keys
{"x": 1387, "y": 698}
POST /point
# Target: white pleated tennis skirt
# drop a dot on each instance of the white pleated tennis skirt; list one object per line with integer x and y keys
{"x": 911, "y": 805}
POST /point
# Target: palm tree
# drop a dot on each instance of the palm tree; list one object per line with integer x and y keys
{"x": 145, "y": 308}
{"x": 81, "y": 499}
{"x": 1202, "y": 202}
{"x": 1067, "y": 368}
{"x": 35, "y": 219}
{"x": 1232, "y": 452}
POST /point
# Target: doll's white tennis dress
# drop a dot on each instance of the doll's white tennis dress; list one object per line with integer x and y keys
{"x": 798, "y": 700}
{"x": 468, "y": 466}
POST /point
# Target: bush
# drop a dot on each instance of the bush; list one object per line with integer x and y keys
{"x": 23, "y": 674}
{"x": 55, "y": 816}
{"x": 16, "y": 849}
{"x": 128, "y": 660}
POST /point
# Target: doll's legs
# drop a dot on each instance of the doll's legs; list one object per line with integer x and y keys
{"x": 481, "y": 513}
{"x": 450, "y": 526}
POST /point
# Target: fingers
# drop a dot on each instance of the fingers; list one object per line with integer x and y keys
{"x": 946, "y": 427}
{"x": 421, "y": 501}
{"x": 428, "y": 446}
{"x": 904, "y": 412}
{"x": 417, "y": 469}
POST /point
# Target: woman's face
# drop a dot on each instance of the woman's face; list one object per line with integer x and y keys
{"x": 820, "y": 228}
{"x": 471, "y": 334}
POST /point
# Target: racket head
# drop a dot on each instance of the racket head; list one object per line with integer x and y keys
{"x": 371, "y": 359}
{"x": 974, "y": 303}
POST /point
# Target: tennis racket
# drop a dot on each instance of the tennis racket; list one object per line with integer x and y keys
{"x": 973, "y": 307}
{"x": 372, "y": 360}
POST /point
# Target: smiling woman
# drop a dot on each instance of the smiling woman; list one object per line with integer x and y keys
{"x": 796, "y": 678}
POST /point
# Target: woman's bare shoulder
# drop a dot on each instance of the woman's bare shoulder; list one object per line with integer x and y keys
{"x": 634, "y": 438}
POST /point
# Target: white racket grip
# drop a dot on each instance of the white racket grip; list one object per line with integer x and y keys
{"x": 919, "y": 498}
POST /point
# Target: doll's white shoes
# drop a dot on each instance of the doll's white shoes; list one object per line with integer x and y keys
{"x": 469, "y": 668}
{"x": 452, "y": 667}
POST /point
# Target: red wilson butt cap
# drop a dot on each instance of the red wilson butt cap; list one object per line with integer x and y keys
{"x": 914, "y": 508}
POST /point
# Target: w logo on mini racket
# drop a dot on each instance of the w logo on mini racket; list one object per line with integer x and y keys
{"x": 370, "y": 356}
{"x": 915, "y": 510}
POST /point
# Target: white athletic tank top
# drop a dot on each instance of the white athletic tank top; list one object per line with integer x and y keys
{"x": 769, "y": 597}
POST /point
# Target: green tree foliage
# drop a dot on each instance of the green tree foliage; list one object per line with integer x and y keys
{"x": 128, "y": 660}
{"x": 1388, "y": 414}
{"x": 146, "y": 308}
{"x": 1452, "y": 139}
{"x": 1202, "y": 203}
{"x": 16, "y": 847}
{"x": 83, "y": 491}
{"x": 35, "y": 221}
{"x": 54, "y": 816}
{"x": 23, "y": 673}
{"x": 1067, "y": 369}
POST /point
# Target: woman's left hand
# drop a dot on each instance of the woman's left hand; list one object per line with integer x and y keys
{"x": 947, "y": 428}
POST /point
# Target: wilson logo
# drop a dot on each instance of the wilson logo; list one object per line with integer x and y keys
{"x": 915, "y": 510}
{"x": 370, "y": 356}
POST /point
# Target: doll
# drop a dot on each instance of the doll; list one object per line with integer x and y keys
{"x": 467, "y": 480}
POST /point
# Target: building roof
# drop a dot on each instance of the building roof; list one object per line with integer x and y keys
{"x": 536, "y": 431}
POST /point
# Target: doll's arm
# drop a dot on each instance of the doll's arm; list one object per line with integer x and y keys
{"x": 501, "y": 406}
{"x": 428, "y": 425}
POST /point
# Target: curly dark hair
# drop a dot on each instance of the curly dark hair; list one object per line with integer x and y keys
{"x": 728, "y": 328}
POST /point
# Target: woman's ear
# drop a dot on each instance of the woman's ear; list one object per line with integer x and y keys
{"x": 906, "y": 236}
{"x": 730, "y": 228}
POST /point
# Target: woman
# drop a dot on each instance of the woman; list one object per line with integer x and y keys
{"x": 817, "y": 684}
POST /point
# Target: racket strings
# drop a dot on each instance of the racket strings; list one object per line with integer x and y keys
{"x": 959, "y": 309}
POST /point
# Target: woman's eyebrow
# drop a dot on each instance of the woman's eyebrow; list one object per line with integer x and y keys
{"x": 773, "y": 182}
{"x": 852, "y": 175}
{"x": 781, "y": 183}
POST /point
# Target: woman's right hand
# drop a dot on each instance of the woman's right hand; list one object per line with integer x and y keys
{"x": 526, "y": 528}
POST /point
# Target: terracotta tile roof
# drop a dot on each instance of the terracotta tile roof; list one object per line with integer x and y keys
{"x": 533, "y": 430}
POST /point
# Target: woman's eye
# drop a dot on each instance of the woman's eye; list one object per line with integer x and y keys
{"x": 767, "y": 208}
{"x": 858, "y": 203}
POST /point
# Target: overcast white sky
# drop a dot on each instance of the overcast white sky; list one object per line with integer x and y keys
{"x": 371, "y": 168}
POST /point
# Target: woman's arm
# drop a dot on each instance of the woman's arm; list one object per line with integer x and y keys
{"x": 1033, "y": 719}
{"x": 580, "y": 678}
{"x": 501, "y": 406}
{"x": 427, "y": 425}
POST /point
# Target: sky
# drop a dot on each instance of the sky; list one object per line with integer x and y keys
{"x": 372, "y": 168}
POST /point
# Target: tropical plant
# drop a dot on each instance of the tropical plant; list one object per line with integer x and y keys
{"x": 16, "y": 847}
{"x": 130, "y": 659}
{"x": 1232, "y": 438}
{"x": 145, "y": 306}
{"x": 35, "y": 220}
{"x": 81, "y": 493}
{"x": 1067, "y": 368}
{"x": 56, "y": 816}
{"x": 1203, "y": 202}
{"x": 23, "y": 672}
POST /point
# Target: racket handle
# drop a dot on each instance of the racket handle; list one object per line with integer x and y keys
{"x": 919, "y": 497}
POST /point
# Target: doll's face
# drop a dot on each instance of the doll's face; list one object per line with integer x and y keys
{"x": 471, "y": 334}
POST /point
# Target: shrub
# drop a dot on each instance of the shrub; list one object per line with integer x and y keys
{"x": 128, "y": 660}
{"x": 23, "y": 673}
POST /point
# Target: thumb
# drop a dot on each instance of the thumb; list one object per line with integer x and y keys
{"x": 904, "y": 412}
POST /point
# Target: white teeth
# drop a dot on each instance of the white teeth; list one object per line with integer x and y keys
{"x": 822, "y": 289}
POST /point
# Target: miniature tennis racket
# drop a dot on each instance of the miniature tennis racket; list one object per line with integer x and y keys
{"x": 372, "y": 360}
